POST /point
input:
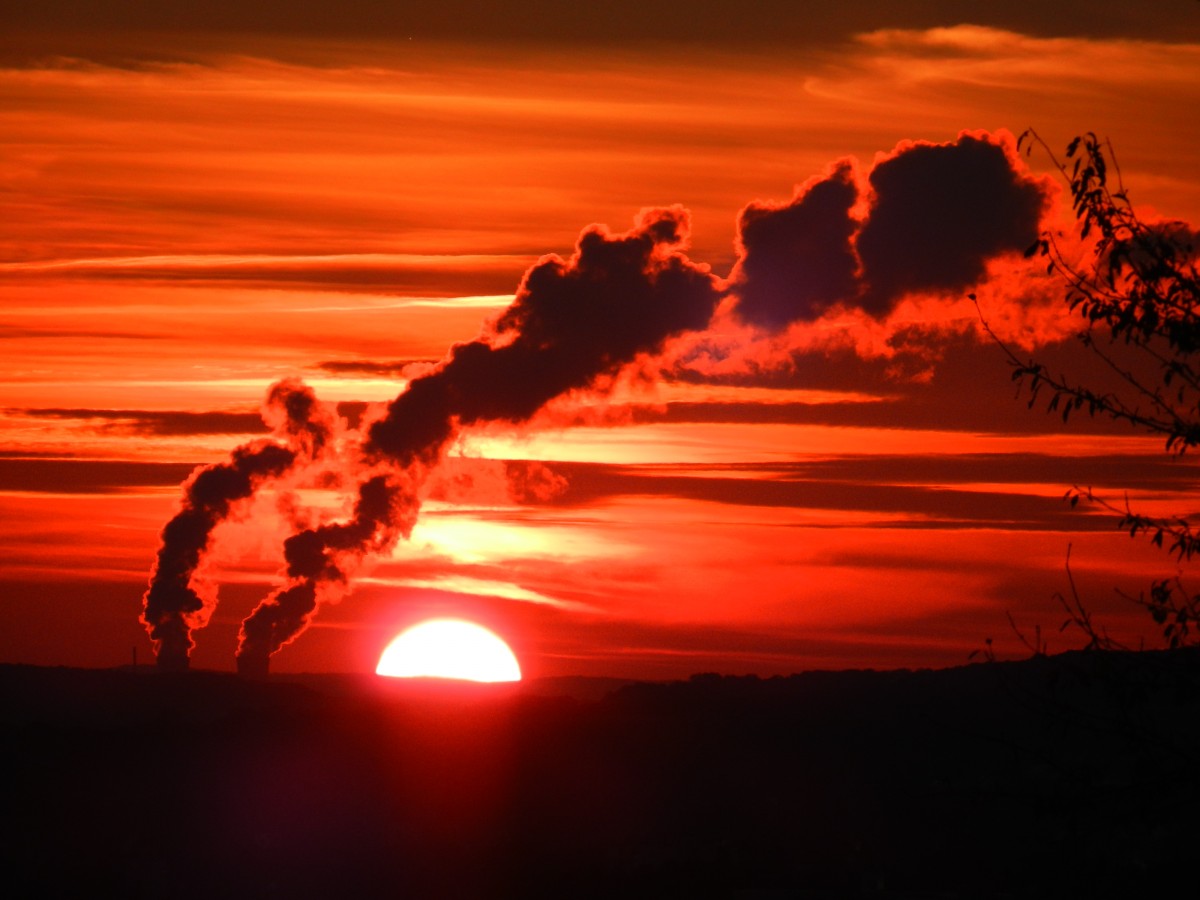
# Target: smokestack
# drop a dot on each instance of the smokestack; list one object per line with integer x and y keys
{"x": 172, "y": 657}
{"x": 255, "y": 667}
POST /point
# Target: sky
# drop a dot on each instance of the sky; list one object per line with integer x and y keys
{"x": 718, "y": 399}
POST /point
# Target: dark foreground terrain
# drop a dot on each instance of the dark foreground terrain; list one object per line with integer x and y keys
{"x": 1069, "y": 776}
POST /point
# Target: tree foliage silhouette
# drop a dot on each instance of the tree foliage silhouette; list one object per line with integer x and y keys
{"x": 1138, "y": 294}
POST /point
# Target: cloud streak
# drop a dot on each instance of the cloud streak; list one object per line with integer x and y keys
{"x": 716, "y": 24}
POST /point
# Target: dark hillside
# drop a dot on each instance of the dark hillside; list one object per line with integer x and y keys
{"x": 1053, "y": 777}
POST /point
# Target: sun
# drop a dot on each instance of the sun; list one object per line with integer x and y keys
{"x": 449, "y": 648}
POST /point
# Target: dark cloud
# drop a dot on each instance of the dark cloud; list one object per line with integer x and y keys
{"x": 400, "y": 275}
{"x": 723, "y": 23}
{"x": 533, "y": 482}
{"x": 86, "y": 476}
{"x": 494, "y": 483}
{"x": 797, "y": 260}
{"x": 293, "y": 411}
{"x": 968, "y": 388}
{"x": 164, "y": 423}
{"x": 903, "y": 491}
{"x": 939, "y": 212}
{"x": 919, "y": 410}
{"x": 1155, "y": 472}
{"x": 16, "y": 333}
{"x": 896, "y": 506}
{"x": 390, "y": 369}
{"x": 571, "y": 322}
{"x": 352, "y": 411}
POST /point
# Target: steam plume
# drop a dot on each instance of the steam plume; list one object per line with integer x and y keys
{"x": 571, "y": 322}
{"x": 320, "y": 562}
{"x": 176, "y": 601}
{"x": 928, "y": 217}
{"x": 935, "y": 214}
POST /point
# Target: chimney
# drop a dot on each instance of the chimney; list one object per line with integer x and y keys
{"x": 254, "y": 666}
{"x": 172, "y": 659}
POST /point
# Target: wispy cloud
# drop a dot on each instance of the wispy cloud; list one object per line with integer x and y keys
{"x": 461, "y": 584}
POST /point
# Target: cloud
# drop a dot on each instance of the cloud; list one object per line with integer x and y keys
{"x": 397, "y": 368}
{"x": 716, "y": 24}
{"x": 889, "y": 491}
{"x": 571, "y": 323}
{"x": 797, "y": 259}
{"x": 935, "y": 216}
{"x": 456, "y": 583}
{"x": 473, "y": 481}
{"x": 939, "y": 212}
{"x": 477, "y": 275}
{"x": 163, "y": 423}
{"x": 86, "y": 476}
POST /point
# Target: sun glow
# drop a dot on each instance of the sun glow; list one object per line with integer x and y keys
{"x": 449, "y": 648}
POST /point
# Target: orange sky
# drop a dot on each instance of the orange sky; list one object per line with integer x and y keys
{"x": 189, "y": 215}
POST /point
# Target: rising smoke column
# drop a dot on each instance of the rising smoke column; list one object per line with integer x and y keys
{"x": 571, "y": 322}
{"x": 617, "y": 297}
{"x": 320, "y": 563}
{"x": 928, "y": 217}
{"x": 176, "y": 602}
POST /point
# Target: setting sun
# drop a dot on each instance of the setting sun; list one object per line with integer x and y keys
{"x": 449, "y": 648}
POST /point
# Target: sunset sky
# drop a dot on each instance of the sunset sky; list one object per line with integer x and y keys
{"x": 814, "y": 459}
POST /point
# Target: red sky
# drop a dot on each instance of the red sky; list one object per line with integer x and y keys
{"x": 194, "y": 207}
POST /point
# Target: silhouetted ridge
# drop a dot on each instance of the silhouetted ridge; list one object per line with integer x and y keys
{"x": 1058, "y": 776}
